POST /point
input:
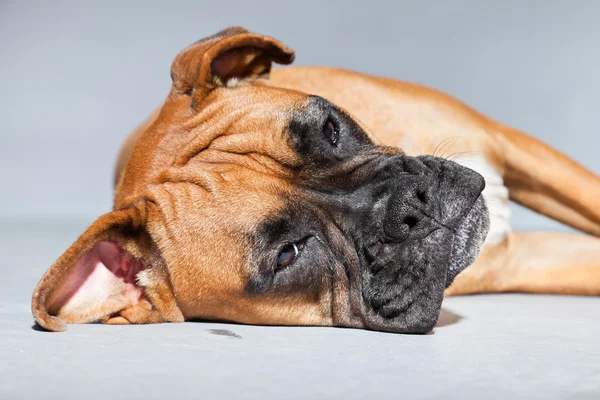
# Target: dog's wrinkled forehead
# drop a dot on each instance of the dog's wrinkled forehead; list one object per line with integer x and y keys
{"x": 248, "y": 132}
{"x": 246, "y": 121}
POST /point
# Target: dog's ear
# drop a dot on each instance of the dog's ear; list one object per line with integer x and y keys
{"x": 97, "y": 276}
{"x": 232, "y": 55}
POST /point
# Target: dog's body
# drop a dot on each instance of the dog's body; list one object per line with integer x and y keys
{"x": 165, "y": 273}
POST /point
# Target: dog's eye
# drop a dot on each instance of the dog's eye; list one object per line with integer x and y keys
{"x": 330, "y": 132}
{"x": 289, "y": 253}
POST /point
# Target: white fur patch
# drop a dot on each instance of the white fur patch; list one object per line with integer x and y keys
{"x": 143, "y": 278}
{"x": 233, "y": 82}
{"x": 495, "y": 195}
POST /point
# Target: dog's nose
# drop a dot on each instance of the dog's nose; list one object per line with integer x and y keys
{"x": 409, "y": 210}
{"x": 434, "y": 193}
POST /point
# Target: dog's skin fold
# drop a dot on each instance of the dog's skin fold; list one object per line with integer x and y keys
{"x": 317, "y": 196}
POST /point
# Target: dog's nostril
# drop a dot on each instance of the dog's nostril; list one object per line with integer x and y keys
{"x": 411, "y": 221}
{"x": 422, "y": 196}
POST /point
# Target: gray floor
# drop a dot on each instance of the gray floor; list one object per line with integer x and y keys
{"x": 495, "y": 346}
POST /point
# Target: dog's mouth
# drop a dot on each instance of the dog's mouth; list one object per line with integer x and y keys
{"x": 402, "y": 287}
{"x": 468, "y": 239}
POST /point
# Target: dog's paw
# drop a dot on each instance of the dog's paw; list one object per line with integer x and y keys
{"x": 141, "y": 313}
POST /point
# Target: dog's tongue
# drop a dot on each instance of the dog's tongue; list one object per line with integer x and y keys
{"x": 469, "y": 237}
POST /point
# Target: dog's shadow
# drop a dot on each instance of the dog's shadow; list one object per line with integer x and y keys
{"x": 447, "y": 318}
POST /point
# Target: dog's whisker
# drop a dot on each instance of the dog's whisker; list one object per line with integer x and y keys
{"x": 442, "y": 146}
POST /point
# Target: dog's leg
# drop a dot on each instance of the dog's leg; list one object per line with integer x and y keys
{"x": 537, "y": 262}
{"x": 157, "y": 288}
{"x": 548, "y": 182}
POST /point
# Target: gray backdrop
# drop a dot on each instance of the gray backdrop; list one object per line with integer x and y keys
{"x": 76, "y": 76}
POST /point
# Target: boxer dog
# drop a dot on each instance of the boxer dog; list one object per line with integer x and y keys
{"x": 318, "y": 196}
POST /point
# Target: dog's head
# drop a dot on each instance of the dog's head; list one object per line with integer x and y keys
{"x": 251, "y": 203}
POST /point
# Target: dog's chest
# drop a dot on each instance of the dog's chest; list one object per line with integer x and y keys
{"x": 496, "y": 197}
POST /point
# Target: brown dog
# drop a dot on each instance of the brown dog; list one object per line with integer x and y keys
{"x": 257, "y": 196}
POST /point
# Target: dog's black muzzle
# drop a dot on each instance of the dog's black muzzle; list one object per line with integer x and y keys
{"x": 422, "y": 234}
